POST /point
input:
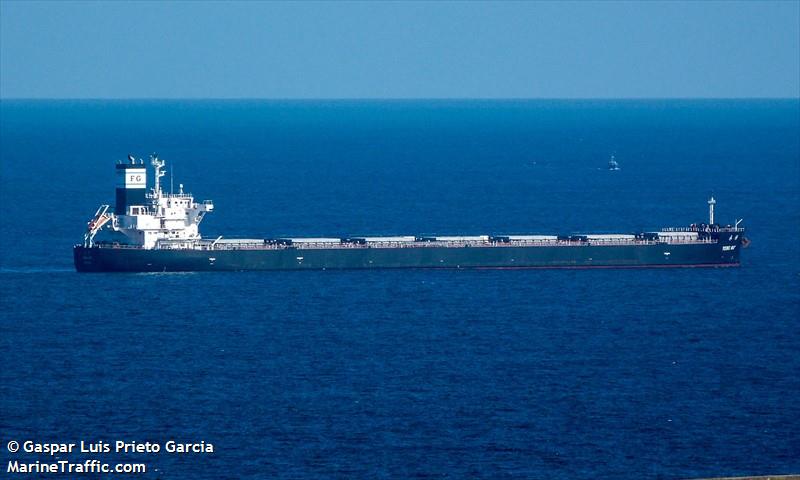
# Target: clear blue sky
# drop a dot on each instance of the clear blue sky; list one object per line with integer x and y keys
{"x": 399, "y": 50}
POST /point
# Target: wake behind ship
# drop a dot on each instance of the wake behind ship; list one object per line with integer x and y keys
{"x": 155, "y": 231}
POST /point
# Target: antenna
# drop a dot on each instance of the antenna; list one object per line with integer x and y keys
{"x": 171, "y": 175}
{"x": 158, "y": 166}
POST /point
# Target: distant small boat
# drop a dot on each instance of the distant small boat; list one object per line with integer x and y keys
{"x": 612, "y": 164}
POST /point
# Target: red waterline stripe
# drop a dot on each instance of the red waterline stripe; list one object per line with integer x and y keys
{"x": 587, "y": 267}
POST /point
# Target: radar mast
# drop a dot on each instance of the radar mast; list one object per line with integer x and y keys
{"x": 158, "y": 167}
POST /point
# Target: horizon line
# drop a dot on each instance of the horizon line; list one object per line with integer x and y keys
{"x": 401, "y": 98}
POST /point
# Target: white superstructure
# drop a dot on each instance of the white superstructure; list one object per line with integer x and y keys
{"x": 159, "y": 220}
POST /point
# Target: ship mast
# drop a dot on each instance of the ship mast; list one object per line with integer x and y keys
{"x": 158, "y": 167}
{"x": 711, "y": 203}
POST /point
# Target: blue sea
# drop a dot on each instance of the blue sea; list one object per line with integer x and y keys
{"x": 576, "y": 374}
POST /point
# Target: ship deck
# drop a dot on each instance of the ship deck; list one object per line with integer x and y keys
{"x": 209, "y": 245}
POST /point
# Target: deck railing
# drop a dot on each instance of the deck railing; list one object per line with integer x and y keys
{"x": 207, "y": 245}
{"x": 706, "y": 229}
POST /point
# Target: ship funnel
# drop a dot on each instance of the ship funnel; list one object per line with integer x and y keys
{"x": 131, "y": 183}
{"x": 711, "y": 203}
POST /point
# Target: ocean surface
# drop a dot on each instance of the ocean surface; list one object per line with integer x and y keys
{"x": 609, "y": 374}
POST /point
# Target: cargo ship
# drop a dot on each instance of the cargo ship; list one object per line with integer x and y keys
{"x": 155, "y": 231}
